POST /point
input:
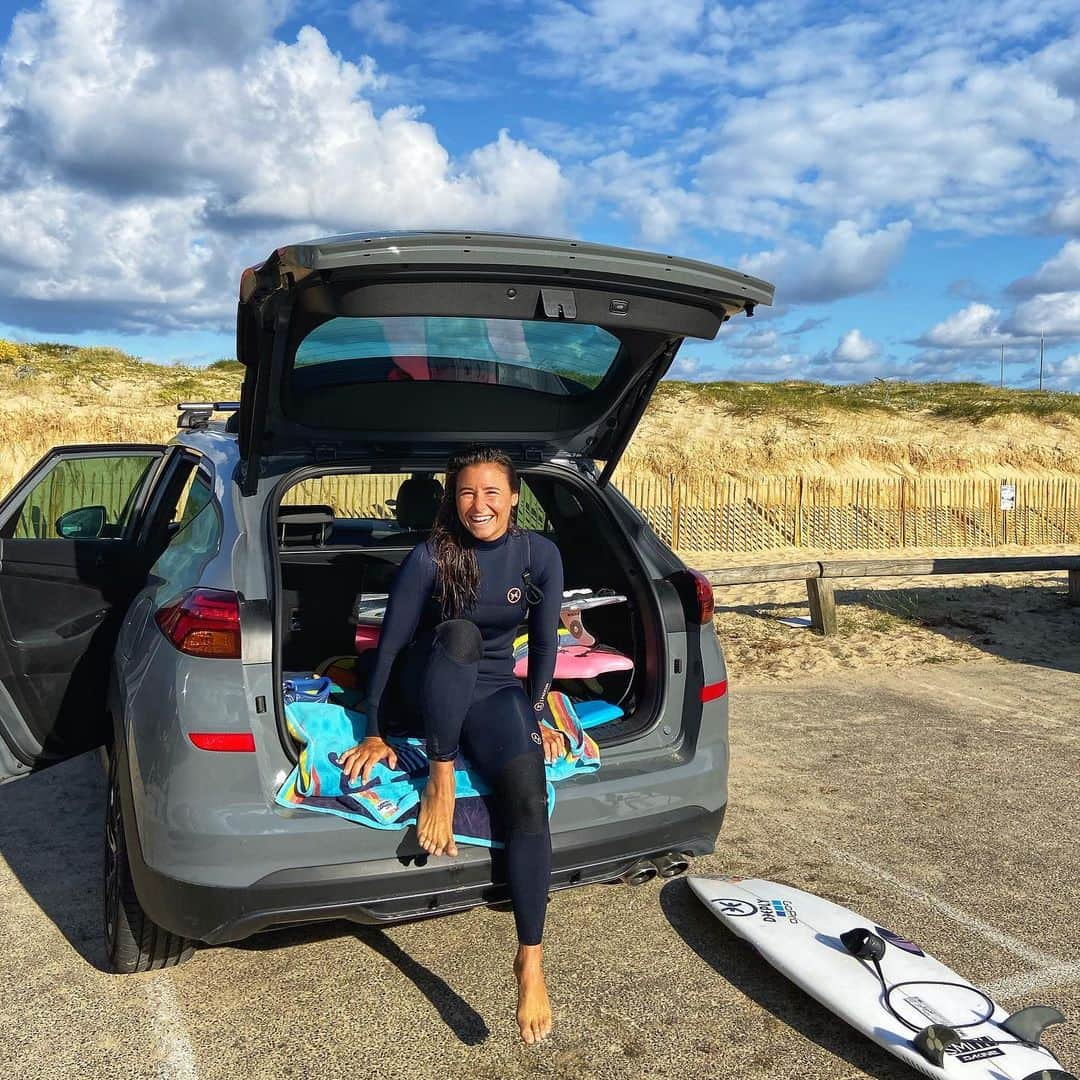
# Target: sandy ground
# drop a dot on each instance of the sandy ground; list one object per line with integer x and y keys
{"x": 940, "y": 801}
{"x": 932, "y": 787}
{"x": 893, "y": 621}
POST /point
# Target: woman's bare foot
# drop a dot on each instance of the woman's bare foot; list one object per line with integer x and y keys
{"x": 435, "y": 822}
{"x": 534, "y": 1006}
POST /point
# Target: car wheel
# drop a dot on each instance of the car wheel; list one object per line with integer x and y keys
{"x": 133, "y": 941}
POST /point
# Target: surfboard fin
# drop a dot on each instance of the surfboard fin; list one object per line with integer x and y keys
{"x": 1029, "y": 1024}
{"x": 933, "y": 1041}
{"x": 863, "y": 943}
{"x": 1050, "y": 1074}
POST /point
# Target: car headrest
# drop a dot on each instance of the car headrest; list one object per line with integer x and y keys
{"x": 418, "y": 501}
{"x": 302, "y": 525}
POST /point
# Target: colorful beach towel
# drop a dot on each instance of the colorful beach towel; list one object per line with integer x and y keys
{"x": 391, "y": 797}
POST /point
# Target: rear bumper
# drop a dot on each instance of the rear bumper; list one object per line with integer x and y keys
{"x": 411, "y": 886}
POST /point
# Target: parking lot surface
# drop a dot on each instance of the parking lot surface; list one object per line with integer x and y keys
{"x": 941, "y": 801}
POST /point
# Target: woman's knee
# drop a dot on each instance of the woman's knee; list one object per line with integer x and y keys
{"x": 460, "y": 640}
{"x": 522, "y": 792}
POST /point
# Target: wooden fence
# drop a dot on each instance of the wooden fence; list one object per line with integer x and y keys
{"x": 797, "y": 512}
{"x": 372, "y": 495}
{"x": 853, "y": 514}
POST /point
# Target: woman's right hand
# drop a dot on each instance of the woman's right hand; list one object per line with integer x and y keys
{"x": 364, "y": 756}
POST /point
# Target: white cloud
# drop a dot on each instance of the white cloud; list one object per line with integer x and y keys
{"x": 772, "y": 369}
{"x": 446, "y": 43}
{"x": 618, "y": 44}
{"x": 149, "y": 173}
{"x": 1063, "y": 374}
{"x": 973, "y": 327}
{"x": 1058, "y": 274}
{"x": 856, "y": 358}
{"x": 643, "y": 188}
{"x": 1065, "y": 214}
{"x": 1056, "y": 315}
{"x": 855, "y": 348}
{"x": 847, "y": 263}
{"x": 756, "y": 342}
{"x": 811, "y": 114}
{"x": 374, "y": 19}
{"x": 692, "y": 368}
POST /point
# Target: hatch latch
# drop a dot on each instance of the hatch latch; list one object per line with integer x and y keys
{"x": 559, "y": 303}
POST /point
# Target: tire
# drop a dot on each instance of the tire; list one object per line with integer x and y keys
{"x": 133, "y": 941}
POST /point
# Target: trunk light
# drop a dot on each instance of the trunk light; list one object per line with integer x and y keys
{"x": 714, "y": 690}
{"x": 203, "y": 622}
{"x": 229, "y": 742}
{"x": 704, "y": 589}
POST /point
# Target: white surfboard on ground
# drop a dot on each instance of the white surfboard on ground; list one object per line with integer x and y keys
{"x": 888, "y": 988}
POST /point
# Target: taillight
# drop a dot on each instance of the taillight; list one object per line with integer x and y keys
{"x": 224, "y": 742}
{"x": 713, "y": 691}
{"x": 203, "y": 622}
{"x": 705, "y": 602}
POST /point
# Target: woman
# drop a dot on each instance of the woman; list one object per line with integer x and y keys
{"x": 444, "y": 669}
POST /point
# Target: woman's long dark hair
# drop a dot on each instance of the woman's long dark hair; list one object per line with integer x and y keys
{"x": 457, "y": 575}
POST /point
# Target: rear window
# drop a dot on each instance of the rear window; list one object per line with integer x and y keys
{"x": 550, "y": 357}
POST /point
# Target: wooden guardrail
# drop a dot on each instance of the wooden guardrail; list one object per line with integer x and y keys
{"x": 821, "y": 577}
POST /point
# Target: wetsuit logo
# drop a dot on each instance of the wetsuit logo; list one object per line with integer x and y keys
{"x": 536, "y": 738}
{"x": 513, "y": 596}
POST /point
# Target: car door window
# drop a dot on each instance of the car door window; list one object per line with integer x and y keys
{"x": 196, "y": 494}
{"x": 80, "y": 498}
{"x": 195, "y": 540}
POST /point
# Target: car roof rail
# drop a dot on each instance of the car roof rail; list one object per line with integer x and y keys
{"x": 195, "y": 414}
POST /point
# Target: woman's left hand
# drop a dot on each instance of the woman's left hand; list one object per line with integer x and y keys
{"x": 554, "y": 744}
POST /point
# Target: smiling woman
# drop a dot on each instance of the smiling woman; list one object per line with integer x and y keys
{"x": 444, "y": 671}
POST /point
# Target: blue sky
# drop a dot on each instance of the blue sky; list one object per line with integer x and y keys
{"x": 907, "y": 175}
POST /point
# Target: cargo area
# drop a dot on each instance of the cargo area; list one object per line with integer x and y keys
{"x": 340, "y": 539}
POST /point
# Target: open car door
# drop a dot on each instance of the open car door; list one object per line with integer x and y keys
{"x": 68, "y": 571}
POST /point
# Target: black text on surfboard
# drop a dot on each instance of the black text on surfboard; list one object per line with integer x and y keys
{"x": 772, "y": 911}
{"x": 978, "y": 1048}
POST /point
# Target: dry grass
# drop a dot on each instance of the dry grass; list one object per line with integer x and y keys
{"x": 697, "y": 433}
{"x": 52, "y": 395}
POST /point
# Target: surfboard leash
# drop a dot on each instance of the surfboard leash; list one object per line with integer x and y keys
{"x": 931, "y": 1040}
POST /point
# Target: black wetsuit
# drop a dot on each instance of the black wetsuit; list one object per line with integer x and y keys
{"x": 452, "y": 681}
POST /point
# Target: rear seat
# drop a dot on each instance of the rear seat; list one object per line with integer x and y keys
{"x": 418, "y": 501}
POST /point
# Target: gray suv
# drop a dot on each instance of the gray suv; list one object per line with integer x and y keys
{"x": 153, "y": 599}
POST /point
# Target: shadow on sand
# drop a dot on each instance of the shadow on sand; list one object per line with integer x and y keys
{"x": 1028, "y": 624}
{"x": 51, "y": 839}
{"x": 458, "y": 1015}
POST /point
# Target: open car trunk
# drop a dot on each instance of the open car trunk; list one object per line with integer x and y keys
{"x": 543, "y": 347}
{"x": 337, "y": 563}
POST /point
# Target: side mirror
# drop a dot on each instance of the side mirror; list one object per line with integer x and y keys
{"x": 82, "y": 523}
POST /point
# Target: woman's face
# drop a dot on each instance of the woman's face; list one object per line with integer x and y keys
{"x": 484, "y": 500}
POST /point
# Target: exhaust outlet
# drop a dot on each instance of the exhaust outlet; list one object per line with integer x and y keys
{"x": 639, "y": 873}
{"x": 671, "y": 864}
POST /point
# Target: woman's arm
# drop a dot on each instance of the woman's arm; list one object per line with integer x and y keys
{"x": 409, "y": 592}
{"x": 547, "y": 571}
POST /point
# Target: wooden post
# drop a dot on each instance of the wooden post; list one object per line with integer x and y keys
{"x": 674, "y": 512}
{"x": 822, "y": 596}
{"x": 1074, "y": 587}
